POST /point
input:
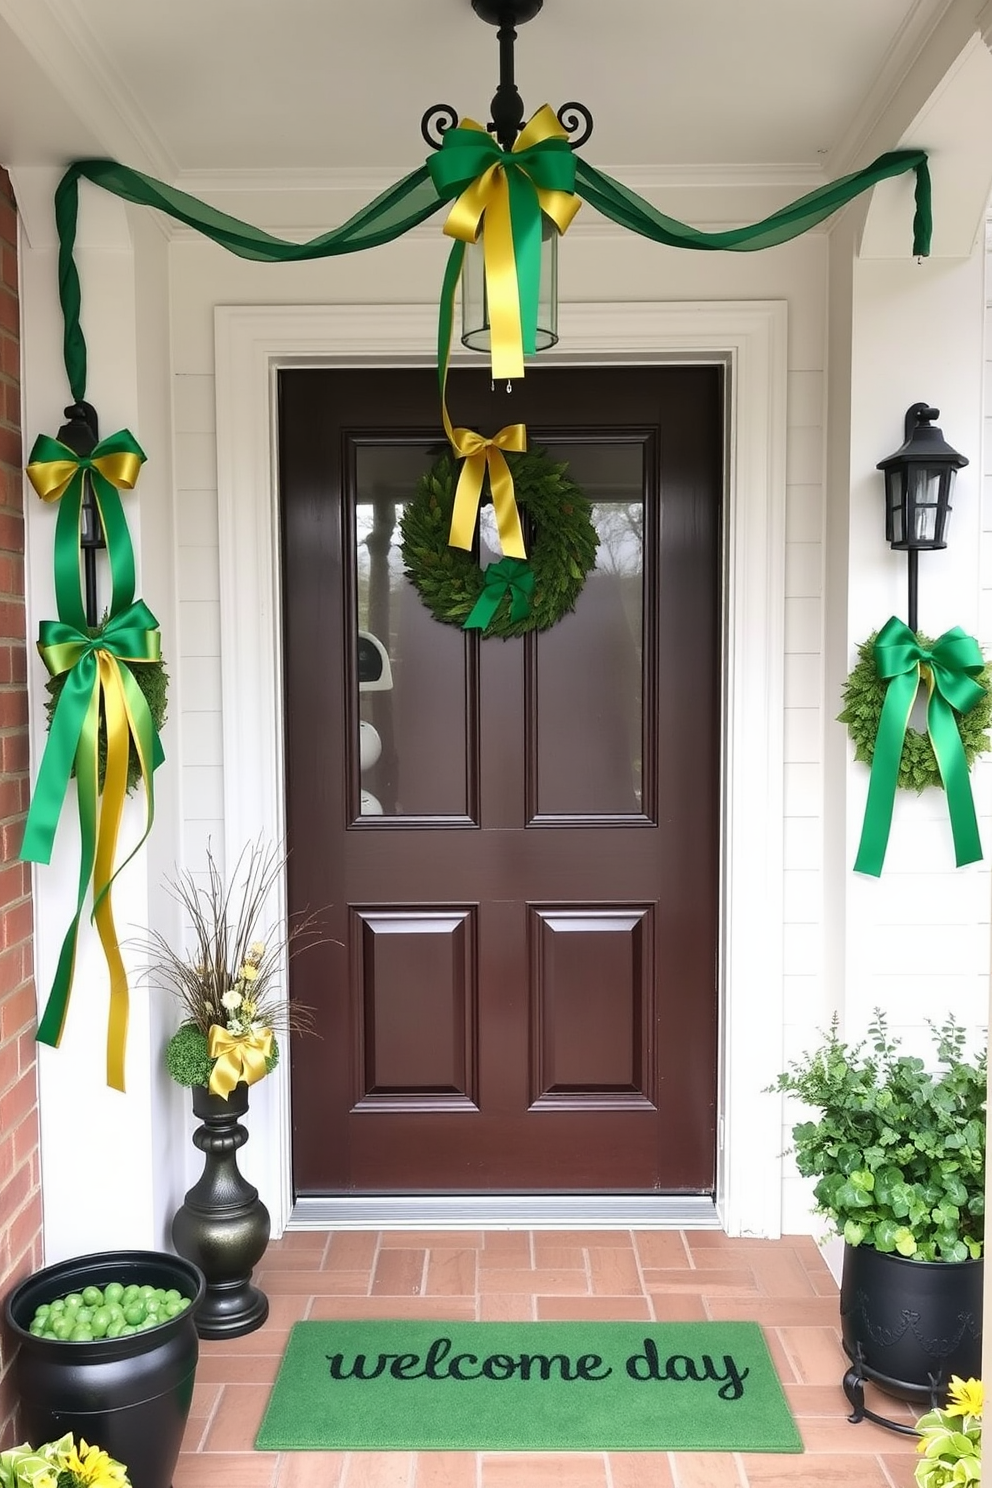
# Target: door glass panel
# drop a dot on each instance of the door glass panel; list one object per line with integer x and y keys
{"x": 589, "y": 723}
{"x": 411, "y": 705}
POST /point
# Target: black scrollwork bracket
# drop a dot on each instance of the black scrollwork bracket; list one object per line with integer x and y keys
{"x": 436, "y": 122}
{"x": 574, "y": 118}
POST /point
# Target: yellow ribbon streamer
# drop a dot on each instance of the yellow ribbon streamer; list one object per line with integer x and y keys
{"x": 485, "y": 206}
{"x": 237, "y": 1056}
{"x": 119, "y": 724}
{"x": 52, "y": 478}
{"x": 478, "y": 453}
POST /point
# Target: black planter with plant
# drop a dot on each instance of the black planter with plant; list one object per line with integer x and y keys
{"x": 898, "y": 1152}
{"x": 131, "y": 1393}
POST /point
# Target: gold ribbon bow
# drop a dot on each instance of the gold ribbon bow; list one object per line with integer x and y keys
{"x": 237, "y": 1056}
{"x": 478, "y": 453}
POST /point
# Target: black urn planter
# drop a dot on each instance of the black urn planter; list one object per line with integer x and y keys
{"x": 223, "y": 1226}
{"x": 907, "y": 1326}
{"x": 131, "y": 1396}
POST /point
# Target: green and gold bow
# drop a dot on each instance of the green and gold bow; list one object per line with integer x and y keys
{"x": 509, "y": 576}
{"x": 950, "y": 668}
{"x": 58, "y": 474}
{"x": 504, "y": 194}
{"x": 99, "y": 684}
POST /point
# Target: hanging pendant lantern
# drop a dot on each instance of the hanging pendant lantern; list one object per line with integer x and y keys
{"x": 505, "y": 125}
{"x": 475, "y": 308}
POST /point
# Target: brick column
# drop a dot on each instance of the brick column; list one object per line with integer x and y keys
{"x": 20, "y": 1181}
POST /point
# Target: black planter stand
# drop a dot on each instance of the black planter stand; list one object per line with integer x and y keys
{"x": 223, "y": 1226}
{"x": 130, "y": 1396}
{"x": 907, "y": 1326}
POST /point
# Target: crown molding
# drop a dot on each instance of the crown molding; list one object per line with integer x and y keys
{"x": 370, "y": 182}
{"x": 877, "y": 126}
{"x": 63, "y": 44}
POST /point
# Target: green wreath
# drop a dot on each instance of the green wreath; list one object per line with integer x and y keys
{"x": 152, "y": 680}
{"x": 864, "y": 693}
{"x": 562, "y": 546}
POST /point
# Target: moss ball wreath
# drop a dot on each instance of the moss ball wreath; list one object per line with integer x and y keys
{"x": 864, "y": 693}
{"x": 561, "y": 551}
{"x": 153, "y": 681}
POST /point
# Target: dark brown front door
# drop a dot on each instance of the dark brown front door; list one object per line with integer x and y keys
{"x": 515, "y": 843}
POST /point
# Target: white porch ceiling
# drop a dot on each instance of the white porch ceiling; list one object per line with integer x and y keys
{"x": 198, "y": 90}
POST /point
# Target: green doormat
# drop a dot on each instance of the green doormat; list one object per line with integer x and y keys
{"x": 554, "y": 1387}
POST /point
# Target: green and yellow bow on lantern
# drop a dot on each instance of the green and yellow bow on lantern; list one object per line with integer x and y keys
{"x": 950, "y": 669}
{"x": 57, "y": 473}
{"x": 504, "y": 194}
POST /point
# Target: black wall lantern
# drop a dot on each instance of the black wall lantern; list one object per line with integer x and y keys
{"x": 81, "y": 434}
{"x": 918, "y": 482}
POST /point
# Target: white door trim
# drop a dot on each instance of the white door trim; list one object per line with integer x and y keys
{"x": 749, "y": 337}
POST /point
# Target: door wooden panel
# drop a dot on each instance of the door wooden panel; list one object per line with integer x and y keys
{"x": 417, "y": 969}
{"x": 522, "y": 888}
{"x": 593, "y": 1008}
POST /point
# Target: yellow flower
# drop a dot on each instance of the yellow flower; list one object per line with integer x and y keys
{"x": 92, "y": 1467}
{"x": 256, "y": 951}
{"x": 248, "y": 972}
{"x": 964, "y": 1397}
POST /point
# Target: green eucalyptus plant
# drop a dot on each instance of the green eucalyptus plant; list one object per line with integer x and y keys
{"x": 898, "y": 1150}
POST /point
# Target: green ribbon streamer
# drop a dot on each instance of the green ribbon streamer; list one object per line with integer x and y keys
{"x": 68, "y": 582}
{"x": 513, "y": 576}
{"x": 629, "y": 210}
{"x": 951, "y": 667}
{"x": 73, "y": 742}
{"x": 403, "y": 206}
{"x": 415, "y": 198}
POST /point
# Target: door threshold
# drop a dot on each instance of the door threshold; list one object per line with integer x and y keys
{"x": 507, "y": 1212}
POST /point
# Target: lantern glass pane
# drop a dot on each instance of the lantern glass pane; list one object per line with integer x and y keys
{"x": 475, "y": 310}
{"x": 894, "y": 526}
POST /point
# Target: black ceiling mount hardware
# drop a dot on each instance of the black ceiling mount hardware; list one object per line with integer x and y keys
{"x": 507, "y": 105}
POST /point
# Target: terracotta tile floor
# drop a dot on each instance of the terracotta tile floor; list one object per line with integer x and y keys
{"x": 655, "y": 1275}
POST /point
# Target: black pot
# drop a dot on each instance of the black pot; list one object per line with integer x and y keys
{"x": 131, "y": 1396}
{"x": 909, "y": 1325}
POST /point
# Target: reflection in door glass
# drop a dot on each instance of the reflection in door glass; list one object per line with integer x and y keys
{"x": 589, "y": 723}
{"x": 410, "y": 707}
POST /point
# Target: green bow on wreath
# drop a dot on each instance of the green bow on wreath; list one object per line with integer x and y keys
{"x": 956, "y": 678}
{"x": 514, "y": 595}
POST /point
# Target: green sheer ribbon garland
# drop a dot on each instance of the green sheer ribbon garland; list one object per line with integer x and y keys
{"x": 950, "y": 668}
{"x": 100, "y": 686}
{"x": 416, "y": 197}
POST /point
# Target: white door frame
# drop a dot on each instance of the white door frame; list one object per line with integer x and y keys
{"x": 749, "y": 337}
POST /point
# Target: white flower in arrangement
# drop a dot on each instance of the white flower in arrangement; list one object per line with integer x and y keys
{"x": 232, "y": 1000}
